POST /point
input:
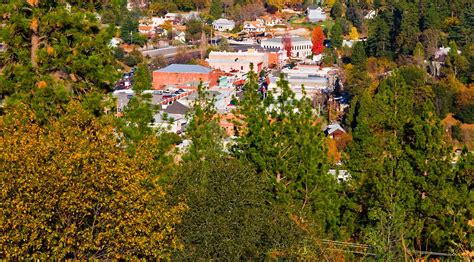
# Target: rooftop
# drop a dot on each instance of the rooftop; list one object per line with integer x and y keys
{"x": 176, "y": 108}
{"x": 293, "y": 39}
{"x": 183, "y": 68}
{"x": 224, "y": 21}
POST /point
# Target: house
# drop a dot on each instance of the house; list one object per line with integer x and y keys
{"x": 238, "y": 61}
{"x": 334, "y": 131}
{"x": 174, "y": 123}
{"x": 370, "y": 15}
{"x": 181, "y": 74}
{"x": 180, "y": 36}
{"x": 300, "y": 46}
{"x": 153, "y": 21}
{"x": 147, "y": 30}
{"x": 171, "y": 17}
{"x": 190, "y": 16}
{"x": 253, "y": 27}
{"x": 340, "y": 175}
{"x": 315, "y": 14}
{"x": 223, "y": 24}
{"x": 269, "y": 20}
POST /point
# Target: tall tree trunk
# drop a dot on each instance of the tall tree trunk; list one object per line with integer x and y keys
{"x": 34, "y": 48}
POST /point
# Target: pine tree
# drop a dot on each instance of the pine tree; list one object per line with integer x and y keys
{"x": 53, "y": 53}
{"x": 216, "y": 10}
{"x": 336, "y": 10}
{"x": 401, "y": 170}
{"x": 336, "y": 35}
{"x": 281, "y": 138}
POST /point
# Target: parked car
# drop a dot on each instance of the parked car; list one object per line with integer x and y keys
{"x": 166, "y": 91}
{"x": 157, "y": 92}
{"x": 167, "y": 96}
{"x": 181, "y": 90}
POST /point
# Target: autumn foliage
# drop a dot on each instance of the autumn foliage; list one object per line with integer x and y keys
{"x": 69, "y": 192}
{"x": 287, "y": 45}
{"x": 317, "y": 38}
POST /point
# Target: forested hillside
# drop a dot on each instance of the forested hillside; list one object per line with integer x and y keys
{"x": 79, "y": 181}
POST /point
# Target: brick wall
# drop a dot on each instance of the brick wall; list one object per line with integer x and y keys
{"x": 161, "y": 79}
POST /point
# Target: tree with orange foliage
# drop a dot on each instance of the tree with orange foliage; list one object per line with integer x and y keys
{"x": 317, "y": 38}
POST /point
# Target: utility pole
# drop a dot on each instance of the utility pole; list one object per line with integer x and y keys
{"x": 131, "y": 37}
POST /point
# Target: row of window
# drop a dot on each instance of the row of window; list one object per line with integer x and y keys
{"x": 297, "y": 47}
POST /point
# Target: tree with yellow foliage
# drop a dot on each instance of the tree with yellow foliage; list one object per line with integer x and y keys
{"x": 70, "y": 192}
{"x": 353, "y": 34}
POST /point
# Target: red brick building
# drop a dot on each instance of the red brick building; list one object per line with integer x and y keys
{"x": 181, "y": 74}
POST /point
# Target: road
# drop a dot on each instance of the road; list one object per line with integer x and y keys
{"x": 167, "y": 52}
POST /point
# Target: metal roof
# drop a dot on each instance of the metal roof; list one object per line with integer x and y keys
{"x": 279, "y": 39}
{"x": 183, "y": 68}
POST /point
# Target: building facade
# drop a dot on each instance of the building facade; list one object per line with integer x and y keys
{"x": 181, "y": 75}
{"x": 300, "y": 46}
{"x": 223, "y": 24}
{"x": 316, "y": 14}
{"x": 253, "y": 27}
{"x": 238, "y": 61}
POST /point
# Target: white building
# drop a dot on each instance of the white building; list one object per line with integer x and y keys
{"x": 255, "y": 27}
{"x": 269, "y": 20}
{"x": 316, "y": 14}
{"x": 238, "y": 61}
{"x": 223, "y": 24}
{"x": 300, "y": 46}
{"x": 171, "y": 16}
{"x": 314, "y": 78}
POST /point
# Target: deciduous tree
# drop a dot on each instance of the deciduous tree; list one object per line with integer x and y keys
{"x": 70, "y": 192}
{"x": 317, "y": 38}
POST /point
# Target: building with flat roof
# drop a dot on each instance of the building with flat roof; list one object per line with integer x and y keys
{"x": 238, "y": 61}
{"x": 300, "y": 46}
{"x": 182, "y": 74}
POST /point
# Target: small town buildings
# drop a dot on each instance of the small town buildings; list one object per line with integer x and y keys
{"x": 238, "y": 61}
{"x": 223, "y": 24}
{"x": 179, "y": 36}
{"x": 253, "y": 27}
{"x": 182, "y": 74}
{"x": 315, "y": 14}
{"x": 153, "y": 21}
{"x": 334, "y": 131}
{"x": 312, "y": 77}
{"x": 171, "y": 16}
{"x": 300, "y": 46}
{"x": 189, "y": 16}
{"x": 269, "y": 20}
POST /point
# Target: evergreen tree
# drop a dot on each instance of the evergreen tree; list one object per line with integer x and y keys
{"x": 336, "y": 10}
{"x": 336, "y": 35}
{"x": 52, "y": 47}
{"x": 378, "y": 38}
{"x": 216, "y": 9}
{"x": 401, "y": 167}
{"x": 281, "y": 138}
{"x": 142, "y": 78}
{"x": 408, "y": 32}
